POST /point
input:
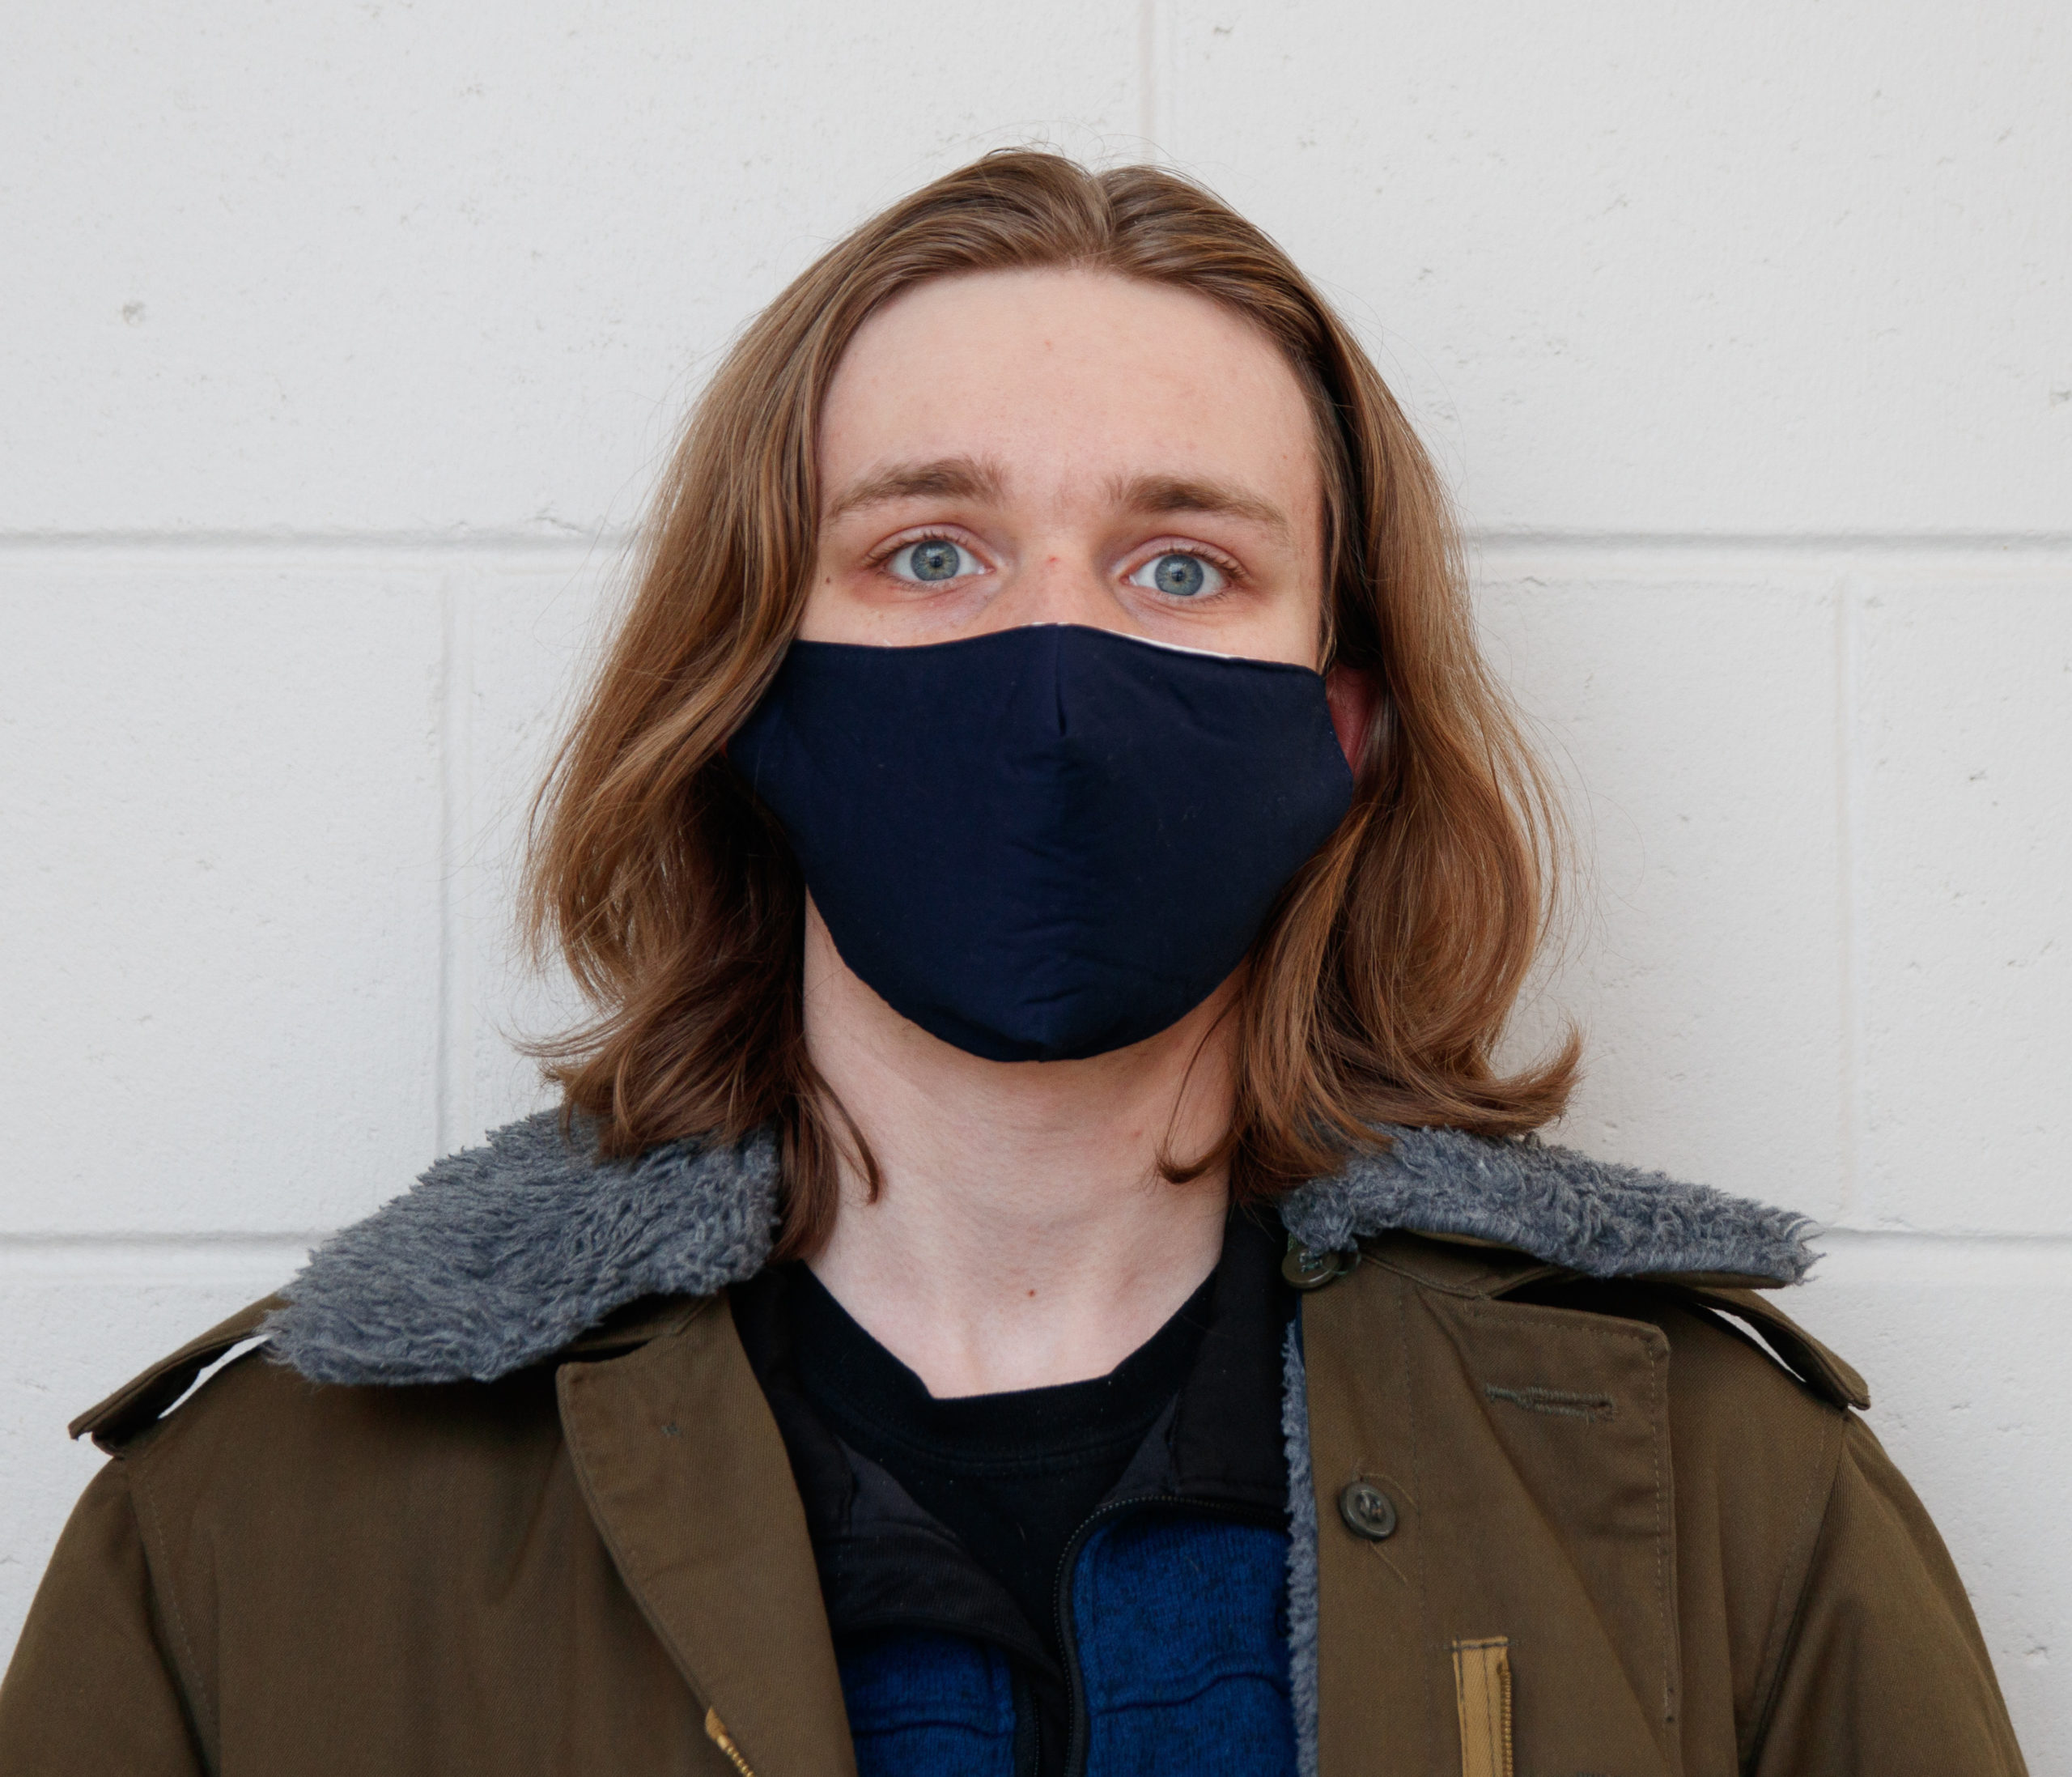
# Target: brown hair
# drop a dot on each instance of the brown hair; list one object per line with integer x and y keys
{"x": 1385, "y": 976}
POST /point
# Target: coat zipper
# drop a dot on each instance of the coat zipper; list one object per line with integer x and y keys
{"x": 1080, "y": 1727}
{"x": 715, "y": 1731}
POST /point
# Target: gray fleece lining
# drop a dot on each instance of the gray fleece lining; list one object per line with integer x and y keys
{"x": 505, "y": 1252}
{"x": 1592, "y": 1216}
{"x": 1302, "y": 1551}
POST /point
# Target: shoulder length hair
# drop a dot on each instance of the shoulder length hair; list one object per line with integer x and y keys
{"x": 1377, "y": 990}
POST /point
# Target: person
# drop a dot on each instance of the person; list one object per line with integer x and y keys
{"x": 1037, "y": 1270}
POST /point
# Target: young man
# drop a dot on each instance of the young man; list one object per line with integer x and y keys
{"x": 1038, "y": 1272}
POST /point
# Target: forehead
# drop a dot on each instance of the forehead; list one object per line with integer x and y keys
{"x": 1070, "y": 374}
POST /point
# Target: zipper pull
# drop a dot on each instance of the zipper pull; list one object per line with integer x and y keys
{"x": 1482, "y": 1687}
{"x": 715, "y": 1731}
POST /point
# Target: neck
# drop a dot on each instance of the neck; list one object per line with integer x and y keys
{"x": 1022, "y": 1235}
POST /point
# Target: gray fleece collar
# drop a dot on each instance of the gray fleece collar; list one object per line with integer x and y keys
{"x": 504, "y": 1253}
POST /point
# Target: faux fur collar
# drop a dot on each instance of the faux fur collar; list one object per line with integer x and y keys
{"x": 505, "y": 1252}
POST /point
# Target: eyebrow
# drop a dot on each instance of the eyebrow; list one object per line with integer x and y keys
{"x": 1149, "y": 494}
{"x": 947, "y": 477}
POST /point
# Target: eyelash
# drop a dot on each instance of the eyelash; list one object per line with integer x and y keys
{"x": 1214, "y": 557}
{"x": 907, "y": 539}
{"x": 1225, "y": 564}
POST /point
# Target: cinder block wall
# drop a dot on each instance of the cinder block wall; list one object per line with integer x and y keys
{"x": 341, "y": 344}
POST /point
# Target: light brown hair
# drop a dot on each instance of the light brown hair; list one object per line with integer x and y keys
{"x": 1383, "y": 979}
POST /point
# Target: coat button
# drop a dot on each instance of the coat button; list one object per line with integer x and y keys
{"x": 1308, "y": 1270}
{"x": 1367, "y": 1510}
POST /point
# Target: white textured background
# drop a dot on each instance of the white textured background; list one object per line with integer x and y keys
{"x": 338, "y": 346}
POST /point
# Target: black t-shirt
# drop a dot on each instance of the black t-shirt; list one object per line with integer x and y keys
{"x": 1013, "y": 1476}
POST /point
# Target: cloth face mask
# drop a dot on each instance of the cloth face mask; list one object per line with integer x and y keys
{"x": 1048, "y": 842}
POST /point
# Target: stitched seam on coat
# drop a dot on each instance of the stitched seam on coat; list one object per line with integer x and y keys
{"x": 1429, "y": 1677}
{"x": 198, "y": 1698}
{"x": 1658, "y": 1368}
{"x": 1784, "y": 1635}
{"x": 1561, "y": 1402}
{"x": 1490, "y": 1287}
{"x": 569, "y": 1382}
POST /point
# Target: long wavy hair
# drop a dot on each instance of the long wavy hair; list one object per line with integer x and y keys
{"x": 1383, "y": 979}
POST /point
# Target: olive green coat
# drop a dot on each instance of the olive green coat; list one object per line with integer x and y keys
{"x": 1626, "y": 1540}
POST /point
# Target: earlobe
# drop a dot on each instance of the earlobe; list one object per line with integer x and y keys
{"x": 1351, "y": 692}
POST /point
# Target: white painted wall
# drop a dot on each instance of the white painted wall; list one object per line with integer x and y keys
{"x": 340, "y": 345}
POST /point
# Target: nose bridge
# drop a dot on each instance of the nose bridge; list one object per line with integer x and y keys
{"x": 1063, "y": 591}
{"x": 1059, "y": 584}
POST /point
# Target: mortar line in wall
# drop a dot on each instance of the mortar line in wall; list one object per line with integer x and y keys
{"x": 1971, "y": 1239}
{"x": 273, "y": 1257}
{"x": 302, "y": 542}
{"x": 1779, "y": 542}
{"x": 1848, "y": 1009}
{"x": 456, "y": 1010}
{"x": 167, "y": 1239}
{"x": 1146, "y": 76}
{"x": 443, "y": 730}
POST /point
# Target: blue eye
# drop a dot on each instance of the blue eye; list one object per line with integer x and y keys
{"x": 1179, "y": 575}
{"x": 931, "y": 559}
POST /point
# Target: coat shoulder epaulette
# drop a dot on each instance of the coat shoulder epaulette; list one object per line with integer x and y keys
{"x": 143, "y": 1400}
{"x": 1828, "y": 1375}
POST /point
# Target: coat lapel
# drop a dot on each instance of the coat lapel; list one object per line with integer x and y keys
{"x": 1525, "y": 1453}
{"x": 687, "y": 1479}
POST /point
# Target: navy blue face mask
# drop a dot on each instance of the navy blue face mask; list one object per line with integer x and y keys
{"x": 1049, "y": 842}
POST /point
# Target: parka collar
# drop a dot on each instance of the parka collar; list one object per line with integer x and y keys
{"x": 505, "y": 1253}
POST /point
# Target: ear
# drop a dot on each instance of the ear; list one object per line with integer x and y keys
{"x": 1351, "y": 693}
